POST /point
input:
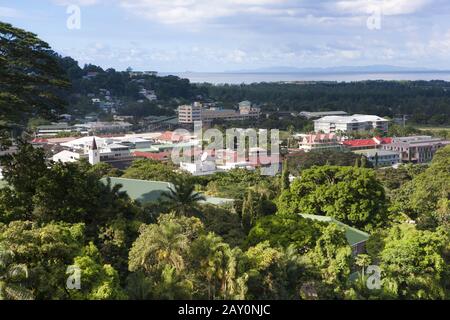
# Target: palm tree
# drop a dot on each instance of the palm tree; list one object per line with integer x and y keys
{"x": 363, "y": 261}
{"x": 11, "y": 278}
{"x": 182, "y": 197}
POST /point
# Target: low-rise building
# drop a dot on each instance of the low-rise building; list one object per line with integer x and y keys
{"x": 85, "y": 143}
{"x": 416, "y": 149}
{"x": 108, "y": 150}
{"x": 363, "y": 144}
{"x": 123, "y": 118}
{"x": 380, "y": 158}
{"x": 246, "y": 108}
{"x": 354, "y": 123}
{"x": 134, "y": 142}
{"x": 54, "y": 129}
{"x": 170, "y": 137}
{"x": 105, "y": 127}
{"x": 316, "y": 115}
{"x": 115, "y": 152}
{"x": 153, "y": 123}
{"x": 66, "y": 156}
{"x": 199, "y": 168}
{"x": 318, "y": 142}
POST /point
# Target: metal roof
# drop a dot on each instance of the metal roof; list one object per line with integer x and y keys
{"x": 151, "y": 191}
{"x": 353, "y": 235}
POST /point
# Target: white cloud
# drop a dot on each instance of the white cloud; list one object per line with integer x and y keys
{"x": 437, "y": 46}
{"x": 201, "y": 11}
{"x": 81, "y": 3}
{"x": 6, "y": 12}
{"x": 387, "y": 7}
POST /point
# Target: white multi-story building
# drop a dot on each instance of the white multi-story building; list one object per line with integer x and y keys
{"x": 357, "y": 122}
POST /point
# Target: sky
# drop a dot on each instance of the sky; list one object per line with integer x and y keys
{"x": 224, "y": 35}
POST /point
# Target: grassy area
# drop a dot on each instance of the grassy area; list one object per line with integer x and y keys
{"x": 437, "y": 131}
{"x": 432, "y": 128}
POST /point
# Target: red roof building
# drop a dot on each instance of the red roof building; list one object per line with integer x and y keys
{"x": 171, "y": 137}
{"x": 39, "y": 141}
{"x": 361, "y": 144}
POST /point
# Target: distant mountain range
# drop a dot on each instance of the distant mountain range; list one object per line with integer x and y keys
{"x": 343, "y": 69}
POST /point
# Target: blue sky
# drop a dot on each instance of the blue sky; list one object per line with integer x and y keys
{"x": 220, "y": 35}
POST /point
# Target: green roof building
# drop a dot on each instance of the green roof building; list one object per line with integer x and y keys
{"x": 355, "y": 238}
{"x": 151, "y": 191}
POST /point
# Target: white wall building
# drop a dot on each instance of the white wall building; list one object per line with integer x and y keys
{"x": 380, "y": 158}
{"x": 85, "y": 143}
{"x": 357, "y": 122}
{"x": 67, "y": 156}
{"x": 94, "y": 149}
{"x": 199, "y": 168}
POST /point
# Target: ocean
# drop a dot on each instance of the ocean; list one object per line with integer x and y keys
{"x": 246, "y": 78}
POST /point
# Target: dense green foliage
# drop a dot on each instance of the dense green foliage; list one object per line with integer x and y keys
{"x": 286, "y": 230}
{"x": 427, "y": 102}
{"x": 349, "y": 194}
{"x": 124, "y": 90}
{"x": 30, "y": 78}
{"x": 426, "y": 197}
{"x": 182, "y": 197}
{"x": 235, "y": 183}
{"x": 306, "y": 160}
{"x": 146, "y": 169}
{"x": 59, "y": 220}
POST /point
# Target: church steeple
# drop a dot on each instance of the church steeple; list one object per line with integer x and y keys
{"x": 94, "y": 154}
{"x": 94, "y": 144}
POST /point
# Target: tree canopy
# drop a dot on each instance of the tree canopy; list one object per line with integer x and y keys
{"x": 351, "y": 195}
{"x": 30, "y": 77}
